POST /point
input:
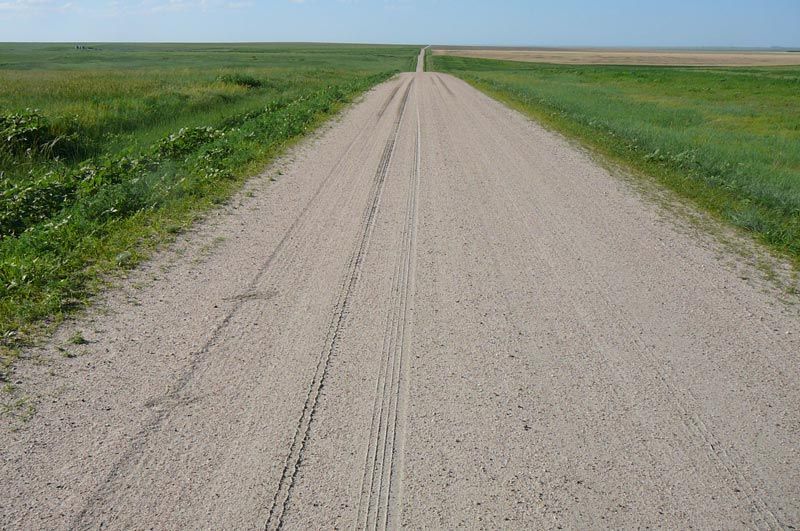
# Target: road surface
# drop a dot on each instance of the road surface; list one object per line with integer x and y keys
{"x": 439, "y": 315}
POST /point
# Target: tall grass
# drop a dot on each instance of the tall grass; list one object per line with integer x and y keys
{"x": 728, "y": 138}
{"x": 107, "y": 152}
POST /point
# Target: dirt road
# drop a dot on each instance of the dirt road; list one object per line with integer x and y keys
{"x": 438, "y": 315}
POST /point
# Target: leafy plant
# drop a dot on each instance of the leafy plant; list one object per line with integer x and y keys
{"x": 187, "y": 140}
{"x": 30, "y": 133}
{"x": 77, "y": 339}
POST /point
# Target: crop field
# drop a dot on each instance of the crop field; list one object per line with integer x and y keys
{"x": 727, "y": 138}
{"x": 588, "y": 56}
{"x": 109, "y": 149}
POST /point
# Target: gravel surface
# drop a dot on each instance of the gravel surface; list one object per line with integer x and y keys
{"x": 439, "y": 314}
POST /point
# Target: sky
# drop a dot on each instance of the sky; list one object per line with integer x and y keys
{"x": 657, "y": 23}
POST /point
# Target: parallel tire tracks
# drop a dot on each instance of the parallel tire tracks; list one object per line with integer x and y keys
{"x": 282, "y": 497}
{"x": 290, "y": 245}
{"x": 382, "y": 482}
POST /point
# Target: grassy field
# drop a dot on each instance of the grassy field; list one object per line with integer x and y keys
{"x": 728, "y": 138}
{"x": 109, "y": 149}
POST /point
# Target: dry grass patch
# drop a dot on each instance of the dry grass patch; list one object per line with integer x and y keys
{"x": 596, "y": 56}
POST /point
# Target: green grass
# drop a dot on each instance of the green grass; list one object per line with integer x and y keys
{"x": 108, "y": 151}
{"x": 727, "y": 138}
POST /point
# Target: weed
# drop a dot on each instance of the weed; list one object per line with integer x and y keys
{"x": 77, "y": 339}
{"x": 208, "y": 248}
{"x": 8, "y": 355}
{"x": 18, "y": 409}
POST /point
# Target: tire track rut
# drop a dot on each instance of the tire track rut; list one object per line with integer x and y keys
{"x": 282, "y": 497}
{"x": 379, "y": 502}
{"x": 288, "y": 247}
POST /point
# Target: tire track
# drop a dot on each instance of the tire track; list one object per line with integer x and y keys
{"x": 381, "y": 489}
{"x": 389, "y": 100}
{"x": 288, "y": 247}
{"x": 449, "y": 91}
{"x": 282, "y": 497}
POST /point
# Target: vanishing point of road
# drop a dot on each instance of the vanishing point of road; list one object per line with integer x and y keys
{"x": 440, "y": 314}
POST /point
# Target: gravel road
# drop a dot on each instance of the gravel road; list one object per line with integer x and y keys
{"x": 439, "y": 314}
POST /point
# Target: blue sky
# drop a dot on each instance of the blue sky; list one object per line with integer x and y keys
{"x": 746, "y": 23}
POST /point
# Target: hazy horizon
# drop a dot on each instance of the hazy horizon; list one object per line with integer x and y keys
{"x": 570, "y": 23}
{"x": 435, "y": 45}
